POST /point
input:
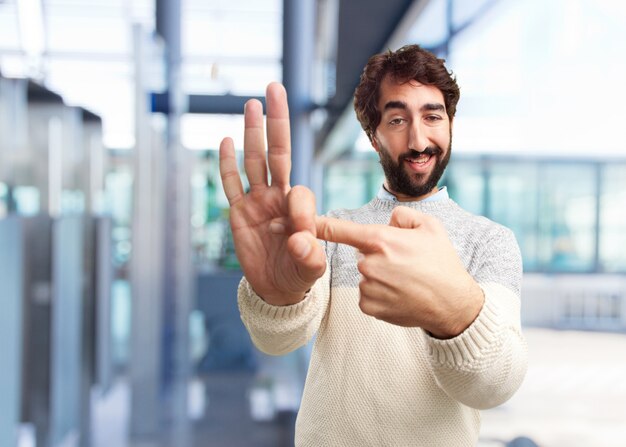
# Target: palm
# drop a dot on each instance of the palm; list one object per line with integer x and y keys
{"x": 266, "y": 258}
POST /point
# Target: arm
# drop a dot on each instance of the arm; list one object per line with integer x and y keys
{"x": 412, "y": 276}
{"x": 484, "y": 365}
{"x": 278, "y": 330}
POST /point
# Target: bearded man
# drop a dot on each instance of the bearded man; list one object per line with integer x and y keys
{"x": 415, "y": 302}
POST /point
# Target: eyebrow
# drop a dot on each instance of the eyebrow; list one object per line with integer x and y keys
{"x": 430, "y": 106}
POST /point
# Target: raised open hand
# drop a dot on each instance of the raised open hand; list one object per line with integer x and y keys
{"x": 273, "y": 224}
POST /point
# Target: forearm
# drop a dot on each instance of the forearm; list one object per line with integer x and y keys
{"x": 277, "y": 330}
{"x": 484, "y": 366}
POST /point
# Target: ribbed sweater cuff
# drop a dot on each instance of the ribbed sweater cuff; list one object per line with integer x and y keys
{"x": 249, "y": 301}
{"x": 470, "y": 346}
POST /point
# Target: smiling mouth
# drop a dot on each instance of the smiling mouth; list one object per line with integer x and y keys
{"x": 421, "y": 159}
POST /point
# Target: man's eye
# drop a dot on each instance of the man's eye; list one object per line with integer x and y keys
{"x": 396, "y": 121}
{"x": 433, "y": 118}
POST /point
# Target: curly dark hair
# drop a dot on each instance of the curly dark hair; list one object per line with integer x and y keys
{"x": 411, "y": 62}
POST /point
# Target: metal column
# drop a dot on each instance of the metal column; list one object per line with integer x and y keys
{"x": 298, "y": 55}
{"x": 177, "y": 267}
{"x": 145, "y": 361}
{"x": 11, "y": 345}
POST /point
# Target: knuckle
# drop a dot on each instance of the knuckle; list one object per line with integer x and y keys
{"x": 319, "y": 265}
{"x": 328, "y": 232}
{"x": 364, "y": 305}
{"x": 379, "y": 239}
{"x": 235, "y": 198}
{"x": 434, "y": 221}
{"x": 298, "y": 191}
{"x": 363, "y": 267}
{"x": 229, "y": 173}
{"x": 398, "y": 212}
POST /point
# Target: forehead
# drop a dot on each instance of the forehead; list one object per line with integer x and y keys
{"x": 412, "y": 92}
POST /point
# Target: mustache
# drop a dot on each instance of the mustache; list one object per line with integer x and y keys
{"x": 429, "y": 150}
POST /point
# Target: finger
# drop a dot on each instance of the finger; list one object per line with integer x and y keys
{"x": 301, "y": 209}
{"x": 405, "y": 217}
{"x": 278, "y": 225}
{"x": 308, "y": 255}
{"x": 229, "y": 172}
{"x": 367, "y": 304}
{"x": 278, "y": 135}
{"x": 366, "y": 238}
{"x": 254, "y": 144}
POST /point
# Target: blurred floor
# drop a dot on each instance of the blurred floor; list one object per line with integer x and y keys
{"x": 227, "y": 420}
{"x": 574, "y": 394}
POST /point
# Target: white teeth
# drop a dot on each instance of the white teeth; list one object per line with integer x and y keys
{"x": 420, "y": 160}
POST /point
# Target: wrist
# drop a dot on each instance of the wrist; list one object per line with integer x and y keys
{"x": 284, "y": 299}
{"x": 459, "y": 321}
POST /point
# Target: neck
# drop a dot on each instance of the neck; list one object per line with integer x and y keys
{"x": 405, "y": 198}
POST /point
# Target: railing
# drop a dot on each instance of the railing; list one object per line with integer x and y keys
{"x": 583, "y": 302}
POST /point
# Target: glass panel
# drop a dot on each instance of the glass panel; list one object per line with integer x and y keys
{"x": 11, "y": 344}
{"x": 230, "y": 34}
{"x": 513, "y": 192}
{"x": 245, "y": 77}
{"x": 9, "y": 32}
{"x": 430, "y": 29}
{"x": 119, "y": 196}
{"x": 567, "y": 217}
{"x": 351, "y": 184}
{"x": 210, "y": 232}
{"x": 217, "y": 54}
{"x": 88, "y": 35}
{"x": 26, "y": 200}
{"x": 613, "y": 219}
{"x": 466, "y": 183}
{"x": 4, "y": 200}
{"x": 199, "y": 131}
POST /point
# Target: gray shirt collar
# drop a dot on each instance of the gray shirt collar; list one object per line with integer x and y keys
{"x": 442, "y": 194}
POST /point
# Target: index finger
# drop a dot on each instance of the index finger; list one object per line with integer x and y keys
{"x": 363, "y": 237}
{"x": 278, "y": 134}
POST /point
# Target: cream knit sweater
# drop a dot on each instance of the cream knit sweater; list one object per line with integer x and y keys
{"x": 371, "y": 383}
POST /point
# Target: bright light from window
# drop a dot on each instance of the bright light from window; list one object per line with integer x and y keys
{"x": 31, "y": 22}
{"x": 203, "y": 132}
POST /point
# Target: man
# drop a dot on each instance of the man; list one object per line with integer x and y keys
{"x": 415, "y": 302}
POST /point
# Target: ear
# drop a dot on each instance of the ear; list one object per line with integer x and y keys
{"x": 451, "y": 125}
{"x": 375, "y": 143}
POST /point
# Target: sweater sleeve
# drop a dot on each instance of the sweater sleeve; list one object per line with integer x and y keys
{"x": 278, "y": 330}
{"x": 486, "y": 364}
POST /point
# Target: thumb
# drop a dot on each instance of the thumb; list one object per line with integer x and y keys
{"x": 404, "y": 217}
{"x": 308, "y": 255}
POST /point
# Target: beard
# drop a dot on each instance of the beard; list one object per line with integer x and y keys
{"x": 413, "y": 184}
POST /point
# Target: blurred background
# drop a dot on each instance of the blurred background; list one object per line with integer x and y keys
{"x": 119, "y": 325}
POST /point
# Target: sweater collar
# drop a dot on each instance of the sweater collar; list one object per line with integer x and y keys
{"x": 442, "y": 194}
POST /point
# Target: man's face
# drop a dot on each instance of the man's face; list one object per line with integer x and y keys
{"x": 413, "y": 138}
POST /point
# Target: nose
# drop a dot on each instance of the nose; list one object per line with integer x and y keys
{"x": 418, "y": 138}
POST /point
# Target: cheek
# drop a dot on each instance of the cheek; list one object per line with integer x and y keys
{"x": 442, "y": 139}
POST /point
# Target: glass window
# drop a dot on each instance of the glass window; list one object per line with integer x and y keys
{"x": 218, "y": 57}
{"x": 345, "y": 185}
{"x": 512, "y": 201}
{"x": 613, "y": 219}
{"x": 4, "y": 206}
{"x": 119, "y": 197}
{"x": 201, "y": 132}
{"x": 27, "y": 200}
{"x": 466, "y": 183}
{"x": 567, "y": 217}
{"x": 351, "y": 183}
